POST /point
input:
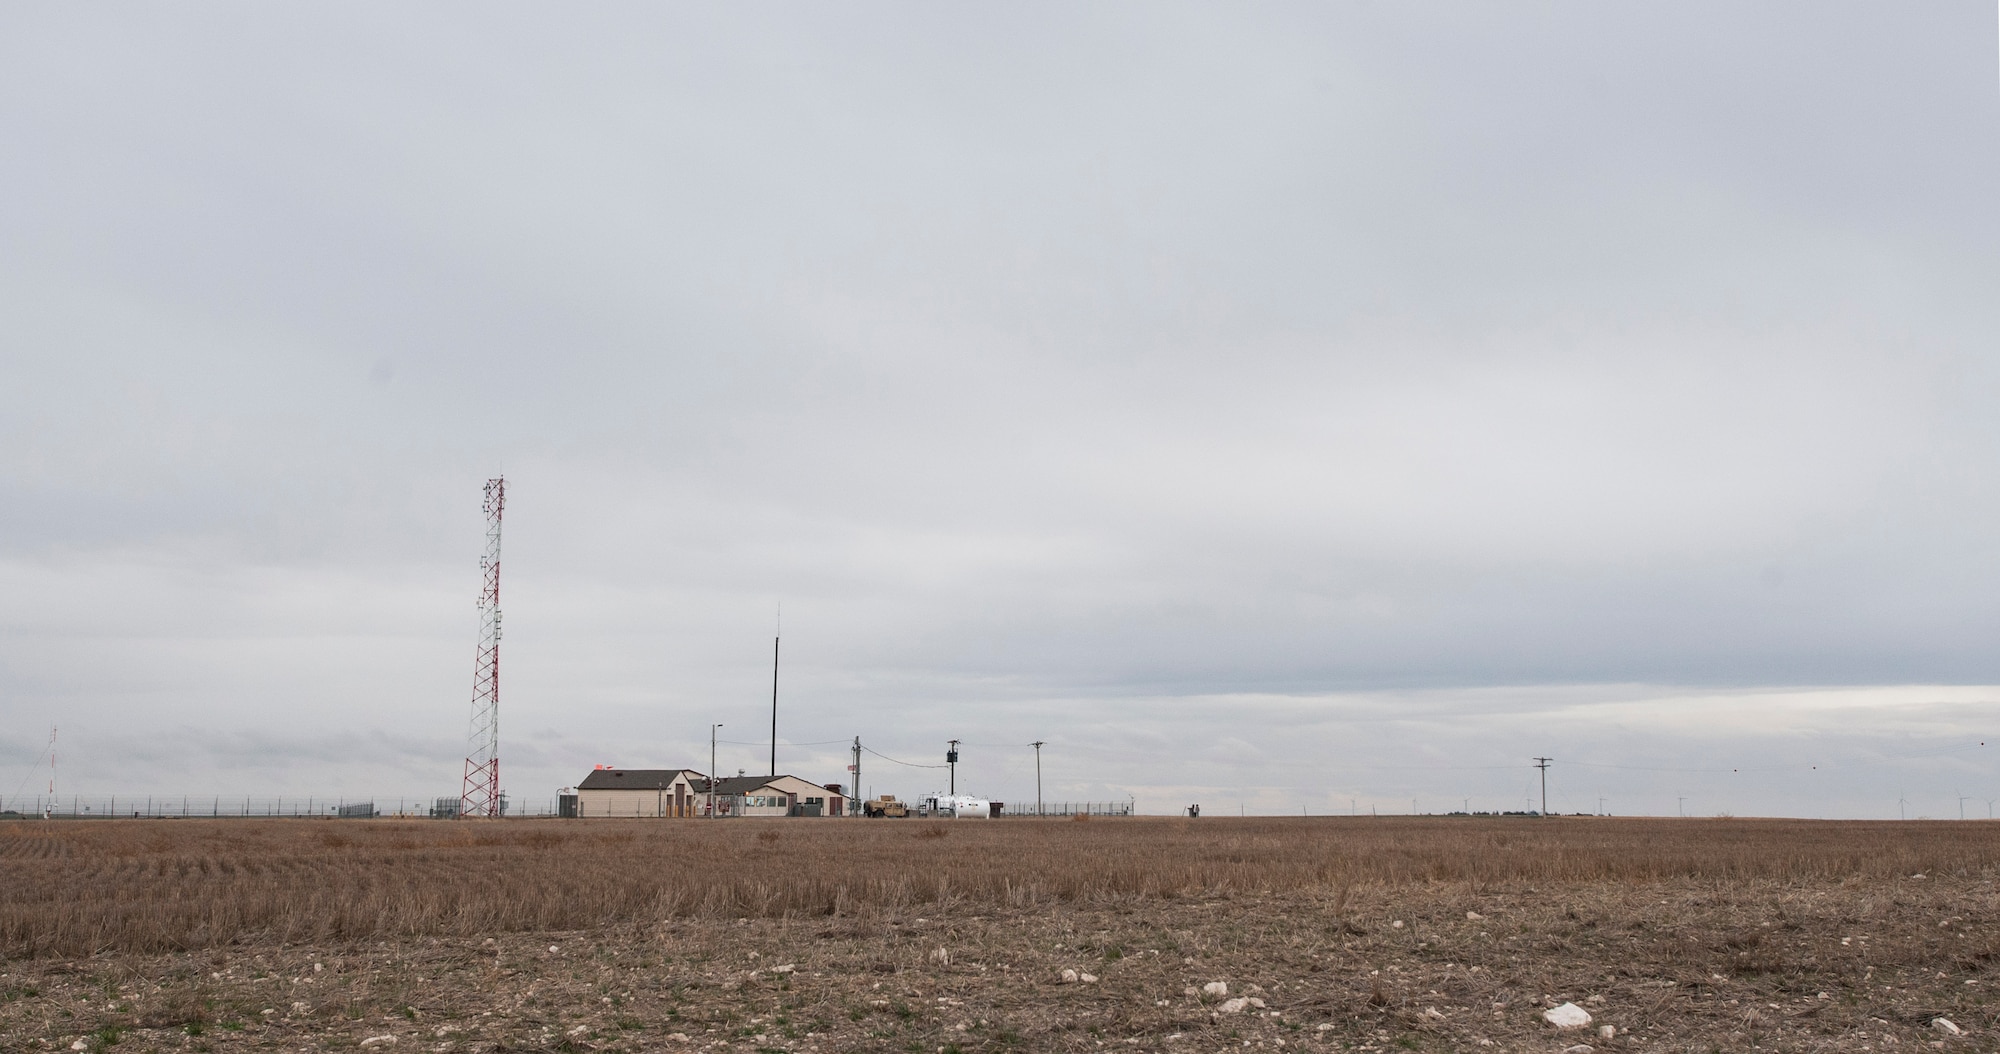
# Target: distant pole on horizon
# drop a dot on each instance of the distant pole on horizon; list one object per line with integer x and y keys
{"x": 1682, "y": 805}
{"x": 1037, "y": 744}
{"x": 711, "y": 768}
{"x": 1543, "y": 764}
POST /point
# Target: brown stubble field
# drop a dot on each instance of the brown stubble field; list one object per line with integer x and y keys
{"x": 1427, "y": 934}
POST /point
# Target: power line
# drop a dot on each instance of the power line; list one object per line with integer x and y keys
{"x": 784, "y": 743}
{"x": 1799, "y": 766}
{"x": 910, "y": 764}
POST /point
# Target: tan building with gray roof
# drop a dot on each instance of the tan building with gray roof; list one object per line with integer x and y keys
{"x": 611, "y": 792}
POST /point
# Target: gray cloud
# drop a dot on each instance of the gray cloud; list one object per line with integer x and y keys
{"x": 1064, "y": 371}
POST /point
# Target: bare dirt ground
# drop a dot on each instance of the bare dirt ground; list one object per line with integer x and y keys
{"x": 1865, "y": 961}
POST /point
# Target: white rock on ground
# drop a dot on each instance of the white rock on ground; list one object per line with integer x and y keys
{"x": 379, "y": 1041}
{"x": 1215, "y": 988}
{"x": 1946, "y": 1026}
{"x": 1234, "y": 1006}
{"x": 1069, "y": 976}
{"x": 1568, "y": 1015}
{"x": 1606, "y": 1031}
{"x": 1473, "y": 916}
{"x": 1087, "y": 978}
{"x": 1580, "y": 1048}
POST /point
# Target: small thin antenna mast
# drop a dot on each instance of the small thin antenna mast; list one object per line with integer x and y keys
{"x": 774, "y": 688}
{"x": 1037, "y": 744}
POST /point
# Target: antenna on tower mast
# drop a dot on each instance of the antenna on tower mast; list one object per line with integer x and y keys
{"x": 481, "y": 793}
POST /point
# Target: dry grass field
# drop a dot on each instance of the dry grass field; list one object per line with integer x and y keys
{"x": 1428, "y": 934}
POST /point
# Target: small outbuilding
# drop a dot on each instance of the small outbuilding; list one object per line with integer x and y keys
{"x": 609, "y": 792}
{"x": 779, "y": 796}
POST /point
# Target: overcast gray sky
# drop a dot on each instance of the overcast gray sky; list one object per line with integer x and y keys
{"x": 1276, "y": 406}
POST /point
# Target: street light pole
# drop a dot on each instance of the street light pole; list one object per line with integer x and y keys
{"x": 711, "y": 768}
{"x": 1037, "y": 744}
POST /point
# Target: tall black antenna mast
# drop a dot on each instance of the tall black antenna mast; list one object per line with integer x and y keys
{"x": 774, "y": 688}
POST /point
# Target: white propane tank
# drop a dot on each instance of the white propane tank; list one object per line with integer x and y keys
{"x": 967, "y": 807}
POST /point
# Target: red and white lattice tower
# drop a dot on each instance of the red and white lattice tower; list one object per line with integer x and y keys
{"x": 481, "y": 796}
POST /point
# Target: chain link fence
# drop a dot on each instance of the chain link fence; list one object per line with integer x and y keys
{"x": 163, "y": 807}
{"x": 1070, "y": 808}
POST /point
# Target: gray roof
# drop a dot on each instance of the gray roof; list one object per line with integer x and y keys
{"x": 637, "y": 779}
{"x": 746, "y": 784}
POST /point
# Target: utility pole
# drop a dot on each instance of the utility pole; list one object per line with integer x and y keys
{"x": 1600, "y": 805}
{"x": 1543, "y": 764}
{"x": 711, "y": 768}
{"x": 1961, "y": 805}
{"x": 1037, "y": 744}
{"x": 1682, "y": 804}
{"x": 1900, "y": 801}
{"x": 951, "y": 762}
{"x": 854, "y": 800}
